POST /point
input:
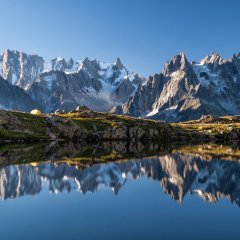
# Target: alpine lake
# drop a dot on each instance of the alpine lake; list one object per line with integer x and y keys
{"x": 119, "y": 190}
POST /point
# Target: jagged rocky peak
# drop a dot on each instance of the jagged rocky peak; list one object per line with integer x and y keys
{"x": 211, "y": 59}
{"x": 61, "y": 64}
{"x": 86, "y": 63}
{"x": 165, "y": 94}
{"x": 178, "y": 62}
{"x": 91, "y": 66}
{"x": 119, "y": 64}
{"x": 19, "y": 68}
{"x": 71, "y": 66}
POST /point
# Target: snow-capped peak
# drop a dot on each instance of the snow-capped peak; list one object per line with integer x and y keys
{"x": 104, "y": 65}
{"x": 212, "y": 58}
{"x": 19, "y": 68}
{"x": 61, "y": 64}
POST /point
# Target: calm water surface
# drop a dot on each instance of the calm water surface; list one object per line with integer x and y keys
{"x": 173, "y": 195}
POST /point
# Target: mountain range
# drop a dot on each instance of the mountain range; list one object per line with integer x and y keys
{"x": 183, "y": 90}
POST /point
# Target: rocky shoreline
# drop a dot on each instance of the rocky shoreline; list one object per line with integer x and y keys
{"x": 79, "y": 125}
{"x": 87, "y": 125}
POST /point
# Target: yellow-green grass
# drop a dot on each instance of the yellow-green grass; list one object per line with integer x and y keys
{"x": 210, "y": 151}
{"x": 208, "y": 128}
{"x": 27, "y": 126}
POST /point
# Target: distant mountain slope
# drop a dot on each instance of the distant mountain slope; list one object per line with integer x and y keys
{"x": 14, "y": 98}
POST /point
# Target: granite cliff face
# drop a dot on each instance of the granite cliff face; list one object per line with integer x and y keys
{"x": 19, "y": 68}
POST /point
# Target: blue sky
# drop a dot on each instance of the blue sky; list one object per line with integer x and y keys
{"x": 144, "y": 34}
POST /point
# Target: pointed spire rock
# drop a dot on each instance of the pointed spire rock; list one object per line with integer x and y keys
{"x": 119, "y": 64}
{"x": 86, "y": 63}
{"x": 86, "y": 60}
{"x": 90, "y": 66}
{"x": 182, "y": 54}
{"x": 178, "y": 62}
{"x": 212, "y": 58}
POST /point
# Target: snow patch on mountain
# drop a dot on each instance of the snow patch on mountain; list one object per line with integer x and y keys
{"x": 206, "y": 77}
{"x": 152, "y": 113}
{"x": 105, "y": 65}
{"x": 61, "y": 64}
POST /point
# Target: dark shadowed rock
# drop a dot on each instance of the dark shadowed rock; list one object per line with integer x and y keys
{"x": 14, "y": 98}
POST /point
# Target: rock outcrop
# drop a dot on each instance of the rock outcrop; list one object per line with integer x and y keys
{"x": 79, "y": 125}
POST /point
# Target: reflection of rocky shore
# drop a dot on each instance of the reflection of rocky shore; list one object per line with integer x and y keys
{"x": 88, "y": 154}
{"x": 103, "y": 151}
{"x": 178, "y": 174}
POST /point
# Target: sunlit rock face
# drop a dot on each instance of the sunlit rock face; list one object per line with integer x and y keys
{"x": 19, "y": 68}
{"x": 178, "y": 174}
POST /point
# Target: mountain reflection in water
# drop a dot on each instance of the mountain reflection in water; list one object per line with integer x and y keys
{"x": 68, "y": 167}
